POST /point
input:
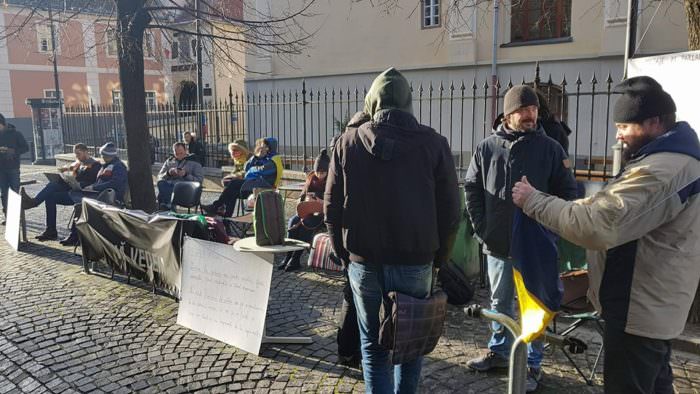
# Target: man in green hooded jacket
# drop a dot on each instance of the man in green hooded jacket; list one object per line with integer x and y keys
{"x": 392, "y": 210}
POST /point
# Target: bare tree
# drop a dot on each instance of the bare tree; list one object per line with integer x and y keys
{"x": 230, "y": 25}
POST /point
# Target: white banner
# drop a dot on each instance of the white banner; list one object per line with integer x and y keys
{"x": 14, "y": 204}
{"x": 679, "y": 76}
{"x": 224, "y": 293}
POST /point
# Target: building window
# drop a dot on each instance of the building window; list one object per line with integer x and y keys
{"x": 533, "y": 20}
{"x": 51, "y": 93}
{"x": 431, "y": 13}
{"x": 174, "y": 49}
{"x": 151, "y": 103}
{"x": 149, "y": 45}
{"x": 111, "y": 45}
{"x": 43, "y": 35}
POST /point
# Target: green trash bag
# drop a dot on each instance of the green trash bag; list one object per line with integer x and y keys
{"x": 465, "y": 253}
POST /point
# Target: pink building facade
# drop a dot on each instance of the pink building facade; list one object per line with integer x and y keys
{"x": 87, "y": 63}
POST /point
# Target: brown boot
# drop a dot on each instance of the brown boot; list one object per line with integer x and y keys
{"x": 27, "y": 202}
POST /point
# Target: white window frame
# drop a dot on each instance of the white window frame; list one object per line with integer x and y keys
{"x": 151, "y": 100}
{"x": 51, "y": 93}
{"x": 43, "y": 33}
{"x": 430, "y": 11}
{"x": 111, "y": 47}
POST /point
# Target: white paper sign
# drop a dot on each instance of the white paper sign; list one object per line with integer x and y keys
{"x": 678, "y": 74}
{"x": 224, "y": 293}
{"x": 14, "y": 204}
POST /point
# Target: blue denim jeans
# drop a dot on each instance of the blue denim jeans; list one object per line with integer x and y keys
{"x": 9, "y": 179}
{"x": 503, "y": 300}
{"x": 165, "y": 191}
{"x": 58, "y": 198}
{"x": 48, "y": 190}
{"x": 413, "y": 280}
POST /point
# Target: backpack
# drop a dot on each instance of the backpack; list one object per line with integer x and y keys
{"x": 321, "y": 255}
{"x": 268, "y": 219}
{"x": 455, "y": 284}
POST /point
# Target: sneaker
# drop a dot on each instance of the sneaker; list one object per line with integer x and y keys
{"x": 49, "y": 234}
{"x": 485, "y": 363}
{"x": 534, "y": 376}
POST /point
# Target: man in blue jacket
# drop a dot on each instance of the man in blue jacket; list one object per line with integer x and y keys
{"x": 517, "y": 147}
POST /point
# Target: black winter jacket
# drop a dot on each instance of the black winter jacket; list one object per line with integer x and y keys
{"x": 13, "y": 139}
{"x": 498, "y": 162}
{"x": 391, "y": 194}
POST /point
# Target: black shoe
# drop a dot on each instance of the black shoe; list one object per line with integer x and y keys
{"x": 71, "y": 240}
{"x": 49, "y": 234}
{"x": 27, "y": 201}
{"x": 293, "y": 265}
{"x": 487, "y": 362}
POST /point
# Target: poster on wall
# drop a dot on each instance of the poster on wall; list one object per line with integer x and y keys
{"x": 677, "y": 73}
{"x": 51, "y": 128}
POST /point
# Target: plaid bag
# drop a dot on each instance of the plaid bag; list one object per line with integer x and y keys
{"x": 268, "y": 219}
{"x": 411, "y": 327}
{"x": 321, "y": 255}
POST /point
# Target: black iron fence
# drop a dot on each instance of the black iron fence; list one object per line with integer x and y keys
{"x": 305, "y": 120}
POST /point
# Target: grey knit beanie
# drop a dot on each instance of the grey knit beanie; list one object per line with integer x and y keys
{"x": 518, "y": 97}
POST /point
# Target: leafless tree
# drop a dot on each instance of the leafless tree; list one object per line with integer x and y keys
{"x": 231, "y": 29}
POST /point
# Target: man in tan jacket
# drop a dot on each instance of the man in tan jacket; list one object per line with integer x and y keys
{"x": 641, "y": 231}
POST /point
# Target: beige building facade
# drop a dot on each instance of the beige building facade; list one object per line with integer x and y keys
{"x": 439, "y": 42}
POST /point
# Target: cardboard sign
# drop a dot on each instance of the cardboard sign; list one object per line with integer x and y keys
{"x": 12, "y": 227}
{"x": 224, "y": 293}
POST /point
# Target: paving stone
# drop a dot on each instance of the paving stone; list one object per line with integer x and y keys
{"x": 65, "y": 331}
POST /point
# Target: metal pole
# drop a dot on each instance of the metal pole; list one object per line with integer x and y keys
{"x": 631, "y": 36}
{"x": 57, "y": 86}
{"x": 494, "y": 61}
{"x": 200, "y": 98}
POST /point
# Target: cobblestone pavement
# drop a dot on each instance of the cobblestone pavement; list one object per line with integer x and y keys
{"x": 64, "y": 331}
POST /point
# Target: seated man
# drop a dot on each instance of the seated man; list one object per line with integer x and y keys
{"x": 112, "y": 175}
{"x": 260, "y": 172}
{"x": 84, "y": 169}
{"x": 179, "y": 167}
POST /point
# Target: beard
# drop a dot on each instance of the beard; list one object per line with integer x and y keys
{"x": 631, "y": 148}
{"x": 526, "y": 125}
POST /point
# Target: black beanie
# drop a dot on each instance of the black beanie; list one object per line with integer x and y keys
{"x": 642, "y": 98}
{"x": 322, "y": 162}
{"x": 518, "y": 97}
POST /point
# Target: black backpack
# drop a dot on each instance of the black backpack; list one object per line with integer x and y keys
{"x": 455, "y": 284}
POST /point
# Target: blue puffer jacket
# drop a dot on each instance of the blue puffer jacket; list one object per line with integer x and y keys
{"x": 112, "y": 175}
{"x": 263, "y": 167}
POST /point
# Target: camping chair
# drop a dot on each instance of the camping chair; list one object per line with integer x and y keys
{"x": 187, "y": 195}
{"x": 575, "y": 306}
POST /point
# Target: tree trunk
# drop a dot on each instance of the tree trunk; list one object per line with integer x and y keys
{"x": 132, "y": 20}
{"x": 692, "y": 14}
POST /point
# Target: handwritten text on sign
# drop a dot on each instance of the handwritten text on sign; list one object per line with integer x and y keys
{"x": 224, "y": 293}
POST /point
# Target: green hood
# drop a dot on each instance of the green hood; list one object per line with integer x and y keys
{"x": 390, "y": 90}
